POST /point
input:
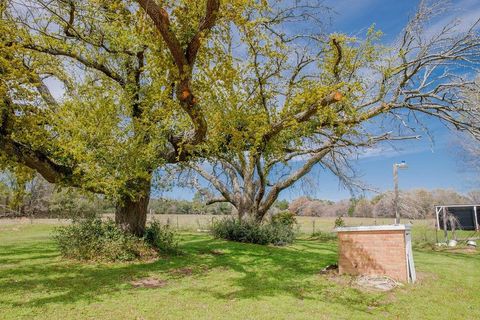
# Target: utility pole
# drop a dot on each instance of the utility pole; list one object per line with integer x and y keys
{"x": 397, "y": 166}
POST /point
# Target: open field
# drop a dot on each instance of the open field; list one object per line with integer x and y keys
{"x": 187, "y": 222}
{"x": 425, "y": 229}
{"x": 306, "y": 224}
{"x": 221, "y": 280}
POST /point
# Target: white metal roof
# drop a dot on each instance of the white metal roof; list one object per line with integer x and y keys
{"x": 387, "y": 227}
{"x": 457, "y": 205}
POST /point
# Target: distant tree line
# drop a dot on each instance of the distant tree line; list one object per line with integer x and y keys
{"x": 35, "y": 197}
{"x": 38, "y": 198}
{"x": 413, "y": 204}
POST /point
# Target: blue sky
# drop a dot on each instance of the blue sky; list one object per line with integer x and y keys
{"x": 432, "y": 164}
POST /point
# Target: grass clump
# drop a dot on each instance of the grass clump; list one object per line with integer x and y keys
{"x": 250, "y": 231}
{"x": 96, "y": 240}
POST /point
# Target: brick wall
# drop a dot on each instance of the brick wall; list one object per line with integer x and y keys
{"x": 379, "y": 252}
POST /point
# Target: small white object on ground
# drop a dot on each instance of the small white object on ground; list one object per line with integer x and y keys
{"x": 472, "y": 243}
{"x": 452, "y": 243}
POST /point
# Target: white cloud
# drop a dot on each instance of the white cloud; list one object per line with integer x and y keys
{"x": 387, "y": 151}
{"x": 463, "y": 13}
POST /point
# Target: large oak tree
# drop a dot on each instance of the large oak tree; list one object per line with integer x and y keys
{"x": 99, "y": 94}
{"x": 302, "y": 99}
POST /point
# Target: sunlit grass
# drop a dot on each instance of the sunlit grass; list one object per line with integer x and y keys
{"x": 226, "y": 280}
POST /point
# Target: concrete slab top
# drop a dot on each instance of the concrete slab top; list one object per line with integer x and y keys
{"x": 388, "y": 227}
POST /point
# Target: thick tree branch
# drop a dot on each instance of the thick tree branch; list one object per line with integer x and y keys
{"x": 216, "y": 200}
{"x": 336, "y": 70}
{"x": 226, "y": 194}
{"x": 185, "y": 63}
{"x": 36, "y": 160}
{"x": 211, "y": 15}
{"x": 304, "y": 115}
{"x": 21, "y": 153}
{"x": 161, "y": 20}
{"x": 294, "y": 177}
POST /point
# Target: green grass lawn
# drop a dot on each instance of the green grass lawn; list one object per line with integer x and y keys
{"x": 245, "y": 282}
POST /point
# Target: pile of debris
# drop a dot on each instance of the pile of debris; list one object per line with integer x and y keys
{"x": 364, "y": 282}
{"x": 378, "y": 283}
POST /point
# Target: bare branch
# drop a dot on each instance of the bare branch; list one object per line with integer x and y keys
{"x": 93, "y": 64}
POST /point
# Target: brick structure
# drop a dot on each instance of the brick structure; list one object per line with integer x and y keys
{"x": 376, "y": 250}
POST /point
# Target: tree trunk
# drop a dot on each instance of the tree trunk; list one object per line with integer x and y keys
{"x": 131, "y": 213}
{"x": 259, "y": 215}
{"x": 250, "y": 212}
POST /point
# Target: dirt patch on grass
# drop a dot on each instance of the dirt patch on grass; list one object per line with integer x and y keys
{"x": 189, "y": 271}
{"x": 217, "y": 252}
{"x": 467, "y": 250}
{"x": 425, "y": 277}
{"x": 149, "y": 282}
{"x": 376, "y": 283}
{"x": 182, "y": 272}
{"x": 213, "y": 252}
{"x": 330, "y": 269}
{"x": 364, "y": 283}
{"x": 334, "y": 276}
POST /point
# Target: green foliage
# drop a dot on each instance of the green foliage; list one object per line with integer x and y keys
{"x": 339, "y": 222}
{"x": 281, "y": 204}
{"x": 161, "y": 238}
{"x": 69, "y": 203}
{"x": 285, "y": 218}
{"x": 250, "y": 231}
{"x": 351, "y": 208}
{"x": 112, "y": 124}
{"x": 38, "y": 198}
{"x": 97, "y": 240}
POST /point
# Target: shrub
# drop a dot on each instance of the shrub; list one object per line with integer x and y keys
{"x": 285, "y": 217}
{"x": 96, "y": 240}
{"x": 161, "y": 238}
{"x": 339, "y": 222}
{"x": 250, "y": 231}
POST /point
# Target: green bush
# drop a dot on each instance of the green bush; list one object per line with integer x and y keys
{"x": 161, "y": 238}
{"x": 339, "y": 222}
{"x": 96, "y": 240}
{"x": 285, "y": 217}
{"x": 253, "y": 232}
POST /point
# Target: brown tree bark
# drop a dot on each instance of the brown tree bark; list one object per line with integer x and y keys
{"x": 131, "y": 213}
{"x": 131, "y": 209}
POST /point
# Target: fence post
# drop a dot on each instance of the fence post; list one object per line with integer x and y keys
{"x": 313, "y": 227}
{"x": 177, "y": 223}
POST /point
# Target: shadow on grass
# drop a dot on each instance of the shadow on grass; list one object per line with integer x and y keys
{"x": 257, "y": 271}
